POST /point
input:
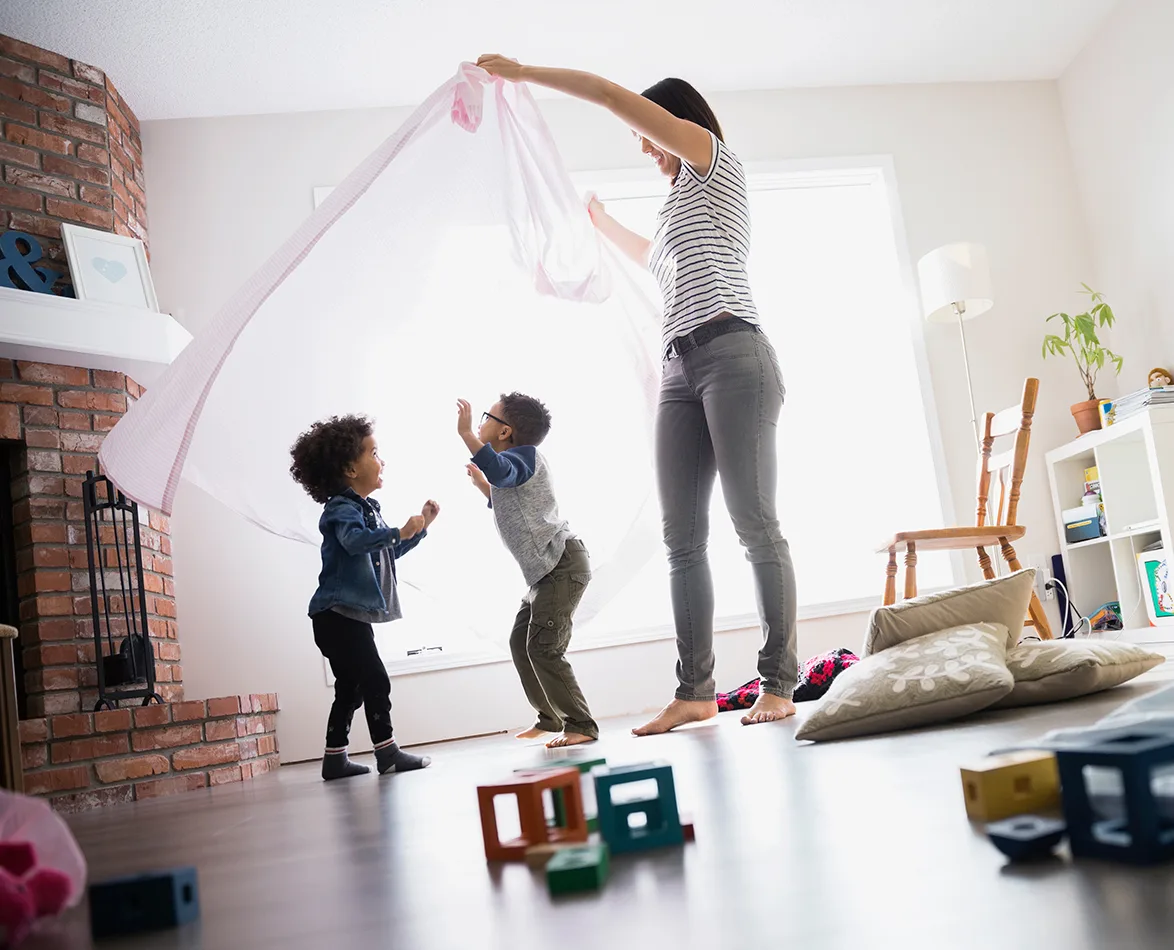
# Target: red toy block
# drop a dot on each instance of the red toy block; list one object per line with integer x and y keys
{"x": 528, "y": 788}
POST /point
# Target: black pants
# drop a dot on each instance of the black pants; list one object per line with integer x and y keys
{"x": 360, "y": 678}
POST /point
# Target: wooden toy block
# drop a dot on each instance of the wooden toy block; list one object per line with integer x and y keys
{"x": 527, "y": 789}
{"x": 558, "y": 819}
{"x": 537, "y": 856}
{"x": 1027, "y": 837}
{"x": 1015, "y": 783}
{"x": 1144, "y": 835}
{"x": 583, "y": 868}
{"x": 154, "y": 901}
{"x": 662, "y": 823}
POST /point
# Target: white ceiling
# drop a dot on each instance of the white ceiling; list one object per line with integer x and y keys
{"x": 180, "y": 58}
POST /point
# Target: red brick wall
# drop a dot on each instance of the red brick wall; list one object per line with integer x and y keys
{"x": 58, "y": 415}
{"x": 86, "y": 760}
{"x": 69, "y": 149}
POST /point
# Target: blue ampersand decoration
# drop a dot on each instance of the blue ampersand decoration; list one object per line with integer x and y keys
{"x": 16, "y": 267}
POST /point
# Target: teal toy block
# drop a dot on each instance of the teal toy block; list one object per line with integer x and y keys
{"x": 1144, "y": 835}
{"x": 662, "y": 821}
{"x": 583, "y": 868}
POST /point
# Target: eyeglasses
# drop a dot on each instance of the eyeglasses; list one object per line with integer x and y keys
{"x": 490, "y": 415}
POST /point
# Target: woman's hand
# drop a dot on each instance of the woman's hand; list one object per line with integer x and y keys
{"x": 497, "y": 65}
{"x": 595, "y": 209}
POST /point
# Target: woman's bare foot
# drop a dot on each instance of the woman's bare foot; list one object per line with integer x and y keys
{"x": 768, "y": 708}
{"x": 677, "y": 713}
{"x": 532, "y": 733}
{"x": 568, "y": 738}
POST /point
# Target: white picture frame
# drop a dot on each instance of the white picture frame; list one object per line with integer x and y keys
{"x": 109, "y": 268}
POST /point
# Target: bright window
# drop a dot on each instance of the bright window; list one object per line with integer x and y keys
{"x": 855, "y": 456}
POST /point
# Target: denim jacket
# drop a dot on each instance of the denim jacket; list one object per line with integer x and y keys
{"x": 354, "y": 539}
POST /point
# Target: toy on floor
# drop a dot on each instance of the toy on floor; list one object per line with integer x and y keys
{"x": 1142, "y": 835}
{"x": 1027, "y": 837}
{"x": 27, "y": 892}
{"x": 527, "y": 788}
{"x": 635, "y": 824}
{"x": 582, "y": 868}
{"x": 573, "y": 859}
{"x": 155, "y": 901}
{"x": 587, "y": 785}
{"x": 42, "y": 871}
{"x": 1015, "y": 783}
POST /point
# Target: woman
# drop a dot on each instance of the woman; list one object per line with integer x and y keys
{"x": 721, "y": 388}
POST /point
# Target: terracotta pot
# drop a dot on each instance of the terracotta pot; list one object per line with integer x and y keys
{"x": 1086, "y": 415}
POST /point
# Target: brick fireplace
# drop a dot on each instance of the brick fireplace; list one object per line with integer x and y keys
{"x": 70, "y": 152}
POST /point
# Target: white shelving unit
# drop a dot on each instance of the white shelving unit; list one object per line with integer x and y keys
{"x": 1135, "y": 464}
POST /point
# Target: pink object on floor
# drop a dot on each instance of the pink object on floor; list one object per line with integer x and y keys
{"x": 42, "y": 870}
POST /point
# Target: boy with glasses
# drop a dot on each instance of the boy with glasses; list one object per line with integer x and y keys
{"x": 509, "y": 470}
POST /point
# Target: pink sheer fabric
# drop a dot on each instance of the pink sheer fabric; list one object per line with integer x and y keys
{"x": 456, "y": 260}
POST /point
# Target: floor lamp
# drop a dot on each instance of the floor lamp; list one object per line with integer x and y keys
{"x": 956, "y": 286}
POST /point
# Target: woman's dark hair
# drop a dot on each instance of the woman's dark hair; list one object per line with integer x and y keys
{"x": 685, "y": 102}
{"x": 529, "y": 418}
{"x": 322, "y": 453}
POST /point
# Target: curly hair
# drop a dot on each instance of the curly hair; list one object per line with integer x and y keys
{"x": 529, "y": 418}
{"x": 322, "y": 453}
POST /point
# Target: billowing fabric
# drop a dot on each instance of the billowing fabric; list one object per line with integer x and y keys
{"x": 456, "y": 260}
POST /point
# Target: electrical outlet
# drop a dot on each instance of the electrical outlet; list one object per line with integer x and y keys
{"x": 1043, "y": 574}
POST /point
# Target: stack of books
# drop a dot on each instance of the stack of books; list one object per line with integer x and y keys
{"x": 1125, "y": 406}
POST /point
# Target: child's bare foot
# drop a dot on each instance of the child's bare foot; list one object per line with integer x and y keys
{"x": 768, "y": 708}
{"x": 532, "y": 733}
{"x": 568, "y": 738}
{"x": 677, "y": 713}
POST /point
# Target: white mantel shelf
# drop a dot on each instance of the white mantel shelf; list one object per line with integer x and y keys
{"x": 46, "y": 329}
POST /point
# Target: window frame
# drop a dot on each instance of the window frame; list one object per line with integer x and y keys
{"x": 872, "y": 170}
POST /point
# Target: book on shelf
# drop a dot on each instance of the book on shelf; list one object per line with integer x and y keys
{"x": 1132, "y": 403}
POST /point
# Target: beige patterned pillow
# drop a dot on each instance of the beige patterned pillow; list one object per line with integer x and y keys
{"x": 928, "y": 679}
{"x": 1051, "y": 670}
{"x": 1002, "y": 600}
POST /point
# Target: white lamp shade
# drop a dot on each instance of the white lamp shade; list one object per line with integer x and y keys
{"x": 955, "y": 274}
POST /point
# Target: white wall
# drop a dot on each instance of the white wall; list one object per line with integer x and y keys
{"x": 974, "y": 162}
{"x": 1118, "y": 103}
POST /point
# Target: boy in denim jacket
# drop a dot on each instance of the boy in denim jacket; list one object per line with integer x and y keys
{"x": 337, "y": 462}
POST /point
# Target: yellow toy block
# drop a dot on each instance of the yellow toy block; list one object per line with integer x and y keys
{"x": 539, "y": 855}
{"x": 1011, "y": 784}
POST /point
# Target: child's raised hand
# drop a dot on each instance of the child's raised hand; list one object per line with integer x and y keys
{"x": 429, "y": 512}
{"x": 412, "y": 527}
{"x": 477, "y": 476}
{"x": 464, "y": 418}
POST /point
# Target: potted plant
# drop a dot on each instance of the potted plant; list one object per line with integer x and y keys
{"x": 1080, "y": 340}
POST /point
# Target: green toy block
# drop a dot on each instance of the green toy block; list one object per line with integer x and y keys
{"x": 583, "y": 868}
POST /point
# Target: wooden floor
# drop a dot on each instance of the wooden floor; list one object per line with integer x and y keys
{"x": 855, "y": 845}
